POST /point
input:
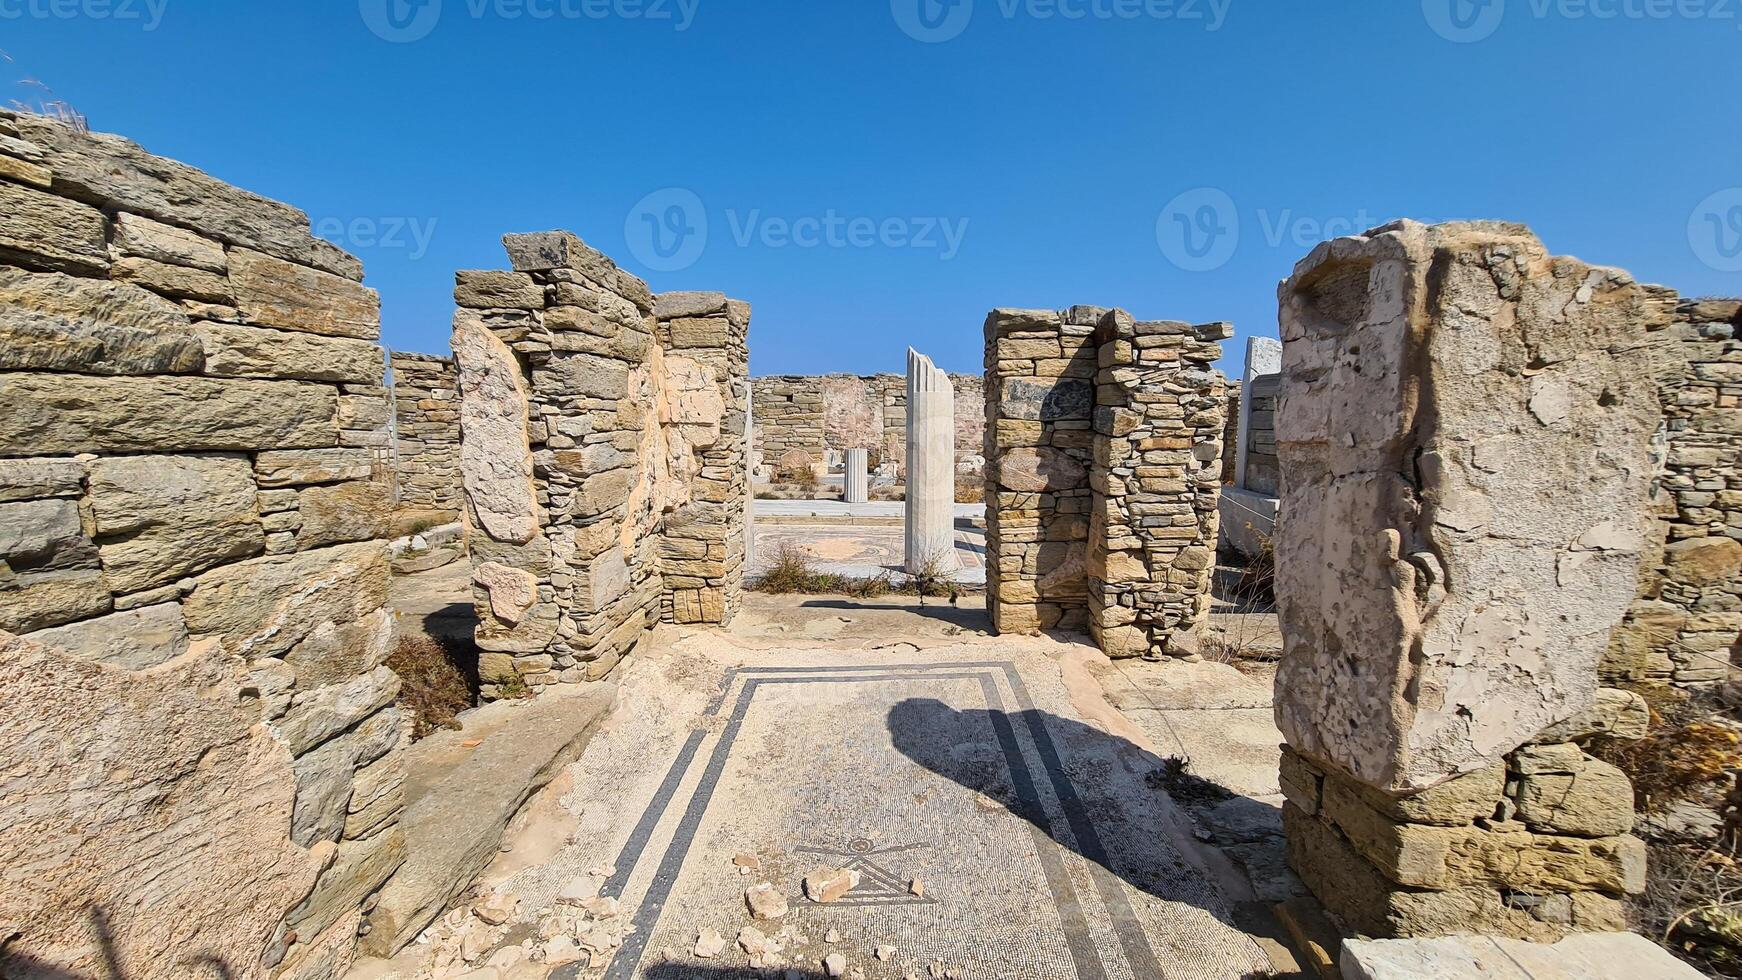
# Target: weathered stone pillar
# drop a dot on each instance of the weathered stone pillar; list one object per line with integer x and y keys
{"x": 931, "y": 466}
{"x": 1465, "y": 436}
{"x": 856, "y": 480}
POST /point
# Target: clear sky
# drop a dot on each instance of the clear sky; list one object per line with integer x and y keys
{"x": 877, "y": 173}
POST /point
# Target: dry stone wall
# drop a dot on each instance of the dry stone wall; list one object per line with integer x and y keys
{"x": 193, "y": 439}
{"x": 597, "y": 452}
{"x": 814, "y": 415}
{"x": 1684, "y": 629}
{"x": 426, "y": 398}
{"x": 1104, "y": 448}
{"x": 1465, "y": 432}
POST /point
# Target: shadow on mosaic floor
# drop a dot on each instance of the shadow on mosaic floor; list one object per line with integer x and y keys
{"x": 1114, "y": 781}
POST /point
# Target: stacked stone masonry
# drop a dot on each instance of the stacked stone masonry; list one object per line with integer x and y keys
{"x": 1684, "y": 628}
{"x": 810, "y": 417}
{"x": 1105, "y": 448}
{"x": 1465, "y": 432}
{"x": 426, "y": 399}
{"x": 602, "y": 456}
{"x": 1262, "y": 472}
{"x": 208, "y": 763}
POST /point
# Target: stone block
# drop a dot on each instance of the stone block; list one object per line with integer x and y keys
{"x": 343, "y": 512}
{"x": 1040, "y": 470}
{"x": 548, "y": 250}
{"x": 495, "y": 452}
{"x": 162, "y": 518}
{"x": 301, "y": 467}
{"x": 1043, "y": 401}
{"x": 1702, "y": 562}
{"x": 1436, "y": 540}
{"x": 145, "y": 238}
{"x": 1589, "y": 798}
{"x": 266, "y": 606}
{"x": 35, "y": 479}
{"x": 68, "y": 414}
{"x": 55, "y": 322}
{"x": 250, "y": 352}
{"x": 136, "y": 639}
{"x": 175, "y": 281}
{"x": 673, "y": 306}
{"x": 497, "y": 290}
{"x": 337, "y": 652}
{"x": 42, "y": 231}
{"x": 271, "y": 292}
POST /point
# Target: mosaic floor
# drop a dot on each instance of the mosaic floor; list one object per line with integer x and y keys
{"x": 1042, "y": 850}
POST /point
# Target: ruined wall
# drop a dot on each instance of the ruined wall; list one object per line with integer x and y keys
{"x": 1465, "y": 432}
{"x": 426, "y": 398}
{"x": 586, "y": 444}
{"x": 192, "y": 428}
{"x": 1685, "y": 627}
{"x": 1104, "y": 440}
{"x": 1263, "y": 472}
{"x": 702, "y": 552}
{"x": 1159, "y": 415}
{"x": 815, "y": 414}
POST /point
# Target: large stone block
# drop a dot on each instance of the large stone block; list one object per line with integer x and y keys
{"x": 341, "y": 512}
{"x": 1046, "y": 399}
{"x": 1465, "y": 431}
{"x": 142, "y": 237}
{"x": 266, "y": 606}
{"x": 1040, "y": 470}
{"x": 274, "y": 293}
{"x": 42, "y": 231}
{"x": 36, "y": 479}
{"x": 55, "y": 322}
{"x": 495, "y": 454}
{"x": 136, "y": 639}
{"x": 498, "y": 290}
{"x": 250, "y": 352}
{"x": 67, "y": 414}
{"x": 160, "y": 518}
{"x": 301, "y": 467}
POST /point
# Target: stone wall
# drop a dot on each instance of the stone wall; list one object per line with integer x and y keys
{"x": 1685, "y": 627}
{"x": 592, "y": 455}
{"x": 1104, "y": 439}
{"x": 192, "y": 426}
{"x": 426, "y": 398}
{"x": 1465, "y": 433}
{"x": 816, "y": 414}
{"x": 1263, "y": 473}
{"x": 703, "y": 551}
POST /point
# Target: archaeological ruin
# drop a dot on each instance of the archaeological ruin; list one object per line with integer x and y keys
{"x": 1500, "y": 488}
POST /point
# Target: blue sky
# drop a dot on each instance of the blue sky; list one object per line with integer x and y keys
{"x": 873, "y": 173}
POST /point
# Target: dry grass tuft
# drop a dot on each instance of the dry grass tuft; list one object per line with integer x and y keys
{"x": 794, "y": 572}
{"x": 438, "y": 680}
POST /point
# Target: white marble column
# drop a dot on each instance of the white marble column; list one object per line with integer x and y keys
{"x": 857, "y": 478}
{"x": 931, "y": 466}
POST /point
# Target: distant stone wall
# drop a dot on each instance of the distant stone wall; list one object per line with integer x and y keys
{"x": 1686, "y": 625}
{"x": 207, "y": 759}
{"x": 815, "y": 414}
{"x": 1263, "y": 474}
{"x": 426, "y": 398}
{"x": 1466, "y": 433}
{"x": 1106, "y": 462}
{"x": 593, "y": 454}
